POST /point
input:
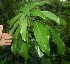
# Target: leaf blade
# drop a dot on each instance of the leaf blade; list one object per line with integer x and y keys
{"x": 60, "y": 44}
{"x": 38, "y": 4}
{"x": 14, "y": 27}
{"x": 38, "y": 13}
{"x": 14, "y": 46}
{"x": 24, "y": 51}
{"x": 23, "y": 26}
{"x": 13, "y": 20}
{"x": 55, "y": 18}
{"x": 42, "y": 37}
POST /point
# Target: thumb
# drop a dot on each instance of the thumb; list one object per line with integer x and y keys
{"x": 1, "y": 28}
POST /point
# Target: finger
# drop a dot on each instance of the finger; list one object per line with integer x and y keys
{"x": 8, "y": 41}
{"x": 0, "y": 34}
{"x": 1, "y": 27}
{"x": 6, "y": 34}
{"x": 8, "y": 37}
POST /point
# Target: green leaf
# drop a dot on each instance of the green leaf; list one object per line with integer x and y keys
{"x": 60, "y": 44}
{"x": 24, "y": 51}
{"x": 23, "y": 26}
{"x": 62, "y": 22}
{"x": 42, "y": 2}
{"x": 19, "y": 43}
{"x": 38, "y": 4}
{"x": 42, "y": 37}
{"x": 37, "y": 48}
{"x": 13, "y": 20}
{"x": 55, "y": 18}
{"x": 14, "y": 27}
{"x": 14, "y": 46}
{"x": 38, "y": 13}
{"x": 44, "y": 61}
{"x": 27, "y": 8}
{"x": 17, "y": 32}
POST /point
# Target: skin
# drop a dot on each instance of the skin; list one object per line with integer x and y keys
{"x": 5, "y": 38}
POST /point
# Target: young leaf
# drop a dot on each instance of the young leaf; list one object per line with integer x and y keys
{"x": 38, "y": 13}
{"x": 38, "y": 4}
{"x": 14, "y": 27}
{"x": 24, "y": 51}
{"x": 13, "y": 20}
{"x": 55, "y": 18}
{"x": 42, "y": 2}
{"x": 23, "y": 26}
{"x": 60, "y": 44}
{"x": 14, "y": 46}
{"x": 42, "y": 37}
{"x": 27, "y": 8}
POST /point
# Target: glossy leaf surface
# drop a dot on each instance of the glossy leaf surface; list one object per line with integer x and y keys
{"x": 23, "y": 27}
{"x": 60, "y": 44}
{"x": 24, "y": 51}
{"x": 37, "y": 48}
{"x": 14, "y": 27}
{"x": 42, "y": 37}
{"x": 17, "y": 32}
{"x": 38, "y": 13}
{"x": 55, "y": 18}
{"x": 14, "y": 47}
{"x": 13, "y": 20}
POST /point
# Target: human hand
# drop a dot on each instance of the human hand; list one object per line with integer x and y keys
{"x": 5, "y": 39}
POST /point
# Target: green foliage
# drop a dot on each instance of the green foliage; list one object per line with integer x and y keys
{"x": 13, "y": 20}
{"x": 38, "y": 13}
{"x": 30, "y": 27}
{"x": 14, "y": 27}
{"x": 24, "y": 51}
{"x": 40, "y": 53}
{"x": 60, "y": 44}
{"x": 44, "y": 61}
{"x": 4, "y": 61}
{"x": 55, "y": 18}
{"x": 23, "y": 26}
{"x": 41, "y": 32}
{"x": 14, "y": 46}
{"x": 42, "y": 37}
{"x": 17, "y": 32}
